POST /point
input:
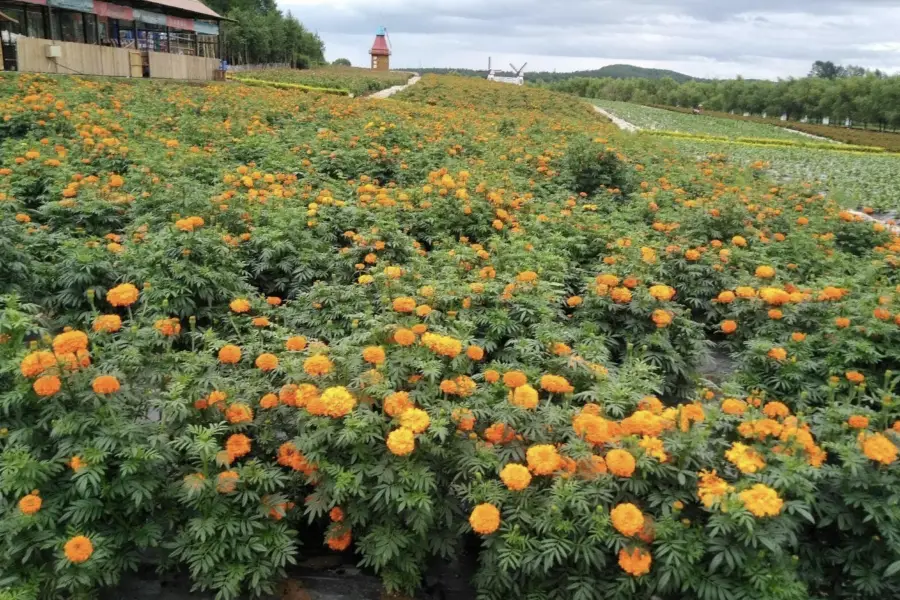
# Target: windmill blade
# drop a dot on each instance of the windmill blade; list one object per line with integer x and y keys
{"x": 519, "y": 72}
{"x": 513, "y": 67}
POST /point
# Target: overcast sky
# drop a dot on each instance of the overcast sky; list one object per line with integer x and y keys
{"x": 704, "y": 38}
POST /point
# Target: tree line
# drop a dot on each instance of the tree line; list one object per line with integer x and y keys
{"x": 260, "y": 33}
{"x": 830, "y": 91}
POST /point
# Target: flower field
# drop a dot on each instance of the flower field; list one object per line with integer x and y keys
{"x": 244, "y": 325}
{"x": 350, "y": 79}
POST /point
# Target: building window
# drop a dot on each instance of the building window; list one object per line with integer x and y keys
{"x": 71, "y": 26}
{"x": 36, "y": 23}
{"x": 90, "y": 29}
{"x": 124, "y": 32}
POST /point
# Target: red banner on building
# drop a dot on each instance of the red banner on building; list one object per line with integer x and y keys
{"x": 180, "y": 23}
{"x": 113, "y": 11}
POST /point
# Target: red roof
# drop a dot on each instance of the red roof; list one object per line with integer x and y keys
{"x": 380, "y": 47}
{"x": 192, "y": 6}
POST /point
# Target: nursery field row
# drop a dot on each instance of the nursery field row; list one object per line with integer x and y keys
{"x": 242, "y": 326}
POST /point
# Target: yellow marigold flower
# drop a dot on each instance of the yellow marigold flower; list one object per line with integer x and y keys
{"x": 338, "y": 402}
{"x": 105, "y": 384}
{"x": 365, "y": 279}
{"x": 70, "y": 342}
{"x": 404, "y": 304}
{"x": 515, "y": 477}
{"x": 711, "y": 488}
{"x": 401, "y": 442}
{"x": 732, "y": 406}
{"x": 78, "y": 549}
{"x": 122, "y": 295}
{"x": 393, "y": 272}
{"x": 485, "y": 519}
{"x": 765, "y": 272}
{"x": 374, "y": 355}
{"x": 627, "y": 519}
{"x": 107, "y": 324}
{"x": 30, "y": 504}
{"x": 745, "y": 458}
{"x": 240, "y": 305}
{"x": 663, "y": 293}
{"x": 556, "y": 384}
{"x": 317, "y": 365}
{"x": 620, "y": 462}
{"x": 46, "y": 385}
{"x": 415, "y": 419}
{"x": 37, "y": 362}
{"x": 636, "y": 562}
{"x": 654, "y": 447}
{"x": 442, "y": 345}
{"x": 229, "y": 354}
{"x": 525, "y": 397}
{"x": 879, "y": 448}
{"x": 762, "y": 501}
{"x": 543, "y": 459}
{"x": 745, "y": 292}
{"x": 267, "y": 362}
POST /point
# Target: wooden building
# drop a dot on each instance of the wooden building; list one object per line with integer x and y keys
{"x": 380, "y": 52}
{"x": 176, "y": 39}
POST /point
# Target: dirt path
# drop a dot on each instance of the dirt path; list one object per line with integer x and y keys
{"x": 394, "y": 90}
{"x": 886, "y": 221}
{"x": 620, "y": 123}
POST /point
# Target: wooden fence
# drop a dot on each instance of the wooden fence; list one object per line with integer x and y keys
{"x": 89, "y": 59}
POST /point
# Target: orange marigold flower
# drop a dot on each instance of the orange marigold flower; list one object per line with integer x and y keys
{"x": 692, "y": 254}
{"x": 374, "y": 355}
{"x": 70, "y": 342}
{"x": 879, "y": 448}
{"x": 78, "y": 549}
{"x": 30, "y": 504}
{"x": 336, "y": 514}
{"x": 317, "y": 365}
{"x": 296, "y": 343}
{"x": 404, "y": 337}
{"x": 515, "y": 477}
{"x": 47, "y": 385}
{"x": 37, "y": 362}
{"x": 401, "y": 442}
{"x": 729, "y": 326}
{"x": 732, "y": 406}
{"x": 268, "y": 401}
{"x": 498, "y": 433}
{"x": 662, "y": 318}
{"x": 122, "y": 295}
{"x": 107, "y": 324}
{"x": 556, "y": 384}
{"x": 229, "y": 354}
{"x": 855, "y": 377}
{"x": 261, "y": 322}
{"x": 267, "y": 362}
{"x": 237, "y": 445}
{"x": 745, "y": 458}
{"x": 560, "y": 349}
{"x": 475, "y": 353}
{"x": 397, "y": 403}
{"x": 762, "y": 501}
{"x": 621, "y": 295}
{"x": 105, "y": 384}
{"x": 485, "y": 519}
{"x": 491, "y": 376}
{"x": 574, "y": 301}
{"x": 76, "y": 464}
{"x": 745, "y": 292}
{"x": 636, "y": 562}
{"x": 778, "y": 354}
{"x": 627, "y": 519}
{"x": 514, "y": 379}
{"x": 725, "y": 297}
{"x": 339, "y": 540}
{"x": 404, "y": 304}
{"x": 240, "y": 305}
{"x": 527, "y": 277}
{"x": 620, "y": 462}
{"x": 776, "y": 409}
{"x": 168, "y": 327}
{"x": 798, "y": 336}
{"x": 711, "y": 488}
{"x": 226, "y": 481}
{"x": 239, "y": 413}
{"x": 858, "y": 422}
{"x": 543, "y": 459}
{"x": 842, "y": 322}
{"x": 273, "y": 301}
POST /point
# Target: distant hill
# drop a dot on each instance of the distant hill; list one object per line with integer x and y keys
{"x": 612, "y": 71}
